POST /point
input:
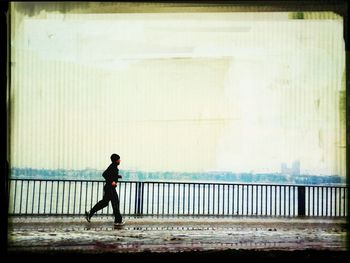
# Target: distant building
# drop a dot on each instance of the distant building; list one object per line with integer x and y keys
{"x": 284, "y": 168}
{"x": 294, "y": 170}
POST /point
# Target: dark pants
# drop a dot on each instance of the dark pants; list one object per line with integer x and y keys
{"x": 109, "y": 194}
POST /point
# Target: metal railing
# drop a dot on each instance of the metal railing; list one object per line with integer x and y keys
{"x": 73, "y": 197}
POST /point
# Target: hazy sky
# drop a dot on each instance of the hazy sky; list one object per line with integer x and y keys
{"x": 178, "y": 91}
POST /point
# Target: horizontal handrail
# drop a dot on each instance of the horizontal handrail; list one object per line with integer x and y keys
{"x": 184, "y": 182}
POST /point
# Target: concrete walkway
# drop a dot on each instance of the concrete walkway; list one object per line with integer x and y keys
{"x": 175, "y": 234}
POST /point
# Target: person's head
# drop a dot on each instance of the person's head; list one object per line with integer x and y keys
{"x": 115, "y": 158}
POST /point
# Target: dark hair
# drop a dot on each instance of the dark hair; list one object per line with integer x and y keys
{"x": 115, "y": 157}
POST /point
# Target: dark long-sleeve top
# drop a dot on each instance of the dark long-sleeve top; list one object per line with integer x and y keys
{"x": 111, "y": 174}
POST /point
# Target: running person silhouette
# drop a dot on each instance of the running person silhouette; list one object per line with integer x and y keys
{"x": 111, "y": 175}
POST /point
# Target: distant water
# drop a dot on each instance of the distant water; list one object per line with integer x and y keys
{"x": 229, "y": 177}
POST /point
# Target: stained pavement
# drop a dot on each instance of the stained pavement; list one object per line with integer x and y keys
{"x": 175, "y": 234}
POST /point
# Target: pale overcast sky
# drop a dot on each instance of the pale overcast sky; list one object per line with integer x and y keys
{"x": 237, "y": 92}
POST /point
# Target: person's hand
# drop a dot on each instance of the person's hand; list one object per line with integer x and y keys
{"x": 114, "y": 184}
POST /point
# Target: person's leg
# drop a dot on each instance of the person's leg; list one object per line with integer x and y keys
{"x": 115, "y": 205}
{"x": 100, "y": 205}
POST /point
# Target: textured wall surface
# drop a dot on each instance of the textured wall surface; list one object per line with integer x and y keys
{"x": 178, "y": 91}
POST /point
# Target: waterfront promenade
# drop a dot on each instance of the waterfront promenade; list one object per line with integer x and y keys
{"x": 178, "y": 235}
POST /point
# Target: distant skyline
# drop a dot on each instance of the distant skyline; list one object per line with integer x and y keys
{"x": 178, "y": 91}
{"x": 293, "y": 170}
{"x": 214, "y": 176}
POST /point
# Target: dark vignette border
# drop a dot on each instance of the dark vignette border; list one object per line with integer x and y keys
{"x": 338, "y": 6}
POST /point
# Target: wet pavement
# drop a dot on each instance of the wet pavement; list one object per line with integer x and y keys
{"x": 175, "y": 234}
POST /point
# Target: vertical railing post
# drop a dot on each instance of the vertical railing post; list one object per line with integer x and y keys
{"x": 139, "y": 198}
{"x": 301, "y": 200}
{"x": 136, "y": 196}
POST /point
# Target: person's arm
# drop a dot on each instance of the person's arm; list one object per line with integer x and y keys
{"x": 108, "y": 174}
{"x": 116, "y": 177}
